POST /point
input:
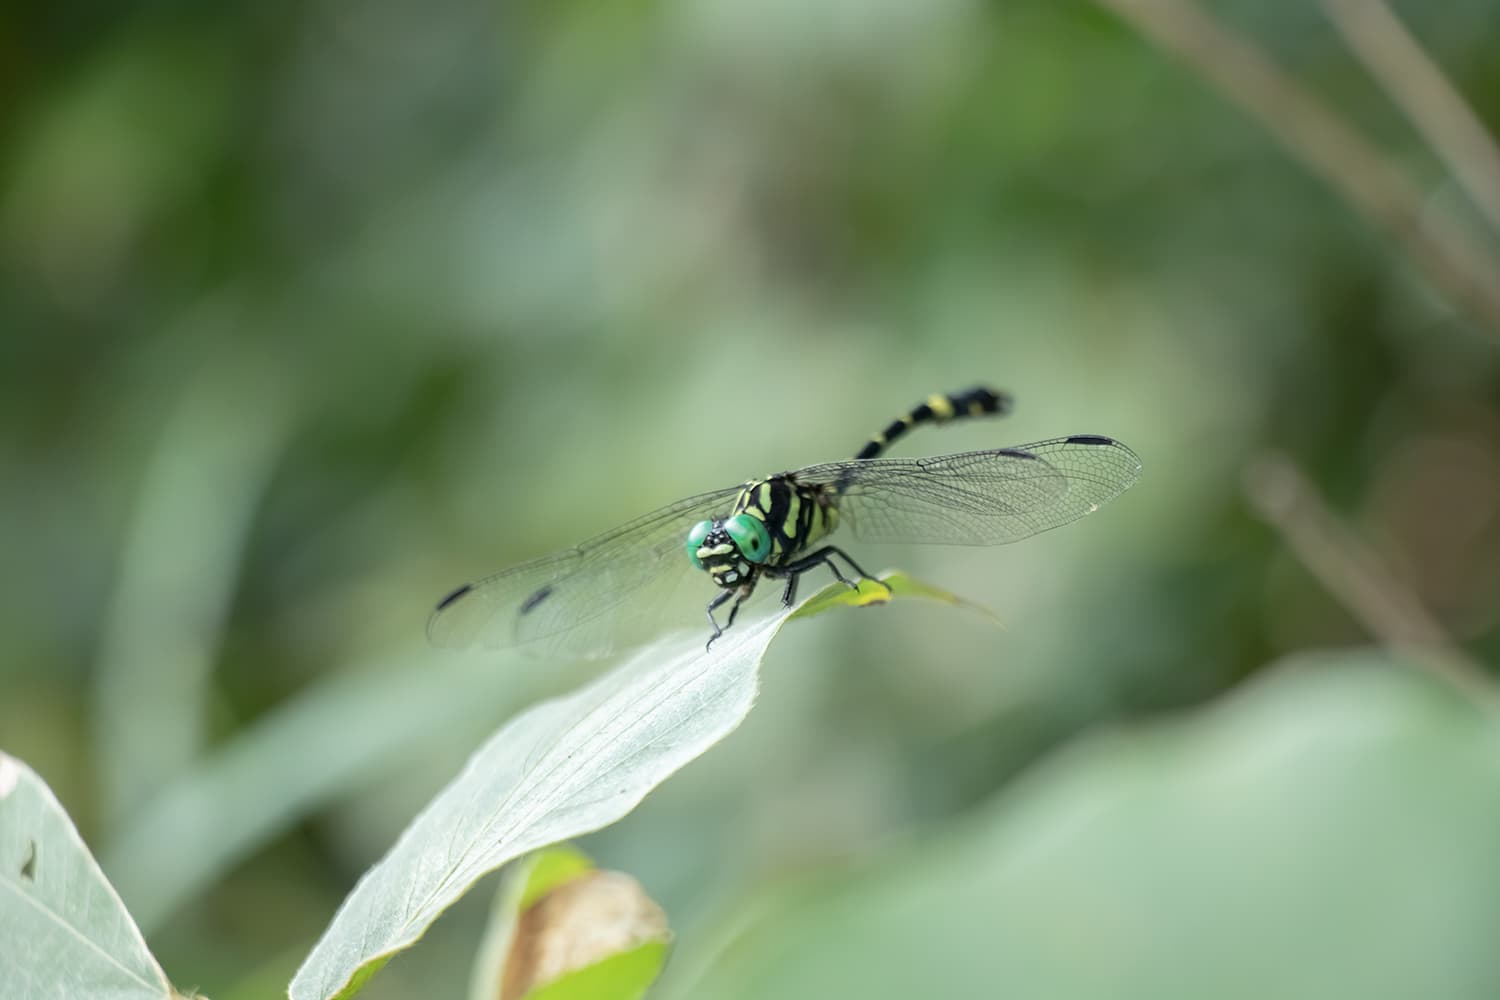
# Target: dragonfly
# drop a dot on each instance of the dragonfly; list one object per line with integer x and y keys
{"x": 612, "y": 591}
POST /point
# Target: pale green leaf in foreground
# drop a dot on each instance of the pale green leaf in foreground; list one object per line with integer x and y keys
{"x": 64, "y": 934}
{"x": 559, "y": 770}
{"x": 1332, "y": 830}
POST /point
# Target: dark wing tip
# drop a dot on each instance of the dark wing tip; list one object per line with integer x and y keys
{"x": 451, "y": 628}
{"x": 531, "y": 602}
{"x": 455, "y": 595}
{"x": 1118, "y": 454}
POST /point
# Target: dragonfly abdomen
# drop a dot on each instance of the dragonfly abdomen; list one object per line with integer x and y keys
{"x": 979, "y": 401}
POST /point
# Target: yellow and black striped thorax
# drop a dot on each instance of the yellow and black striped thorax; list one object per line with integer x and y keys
{"x": 777, "y": 520}
{"x": 795, "y": 516}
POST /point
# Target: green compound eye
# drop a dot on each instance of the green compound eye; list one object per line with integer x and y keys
{"x": 695, "y": 540}
{"x": 751, "y": 536}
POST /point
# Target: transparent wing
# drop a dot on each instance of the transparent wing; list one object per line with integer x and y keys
{"x": 979, "y": 497}
{"x": 610, "y": 592}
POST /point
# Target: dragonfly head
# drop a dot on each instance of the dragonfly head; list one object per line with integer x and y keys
{"x": 729, "y": 548}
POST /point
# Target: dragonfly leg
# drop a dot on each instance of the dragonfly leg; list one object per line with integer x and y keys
{"x": 789, "y": 595}
{"x": 824, "y": 556}
{"x": 718, "y": 602}
{"x": 739, "y": 594}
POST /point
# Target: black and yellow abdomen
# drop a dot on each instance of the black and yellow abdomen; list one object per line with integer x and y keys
{"x": 980, "y": 401}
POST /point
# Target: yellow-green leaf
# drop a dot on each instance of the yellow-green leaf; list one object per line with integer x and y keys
{"x": 622, "y": 976}
{"x": 897, "y": 585}
{"x": 551, "y": 868}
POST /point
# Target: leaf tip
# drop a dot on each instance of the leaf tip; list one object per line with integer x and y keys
{"x": 10, "y": 775}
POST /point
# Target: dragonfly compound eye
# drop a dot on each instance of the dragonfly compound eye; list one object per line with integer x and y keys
{"x": 695, "y": 541}
{"x": 751, "y": 536}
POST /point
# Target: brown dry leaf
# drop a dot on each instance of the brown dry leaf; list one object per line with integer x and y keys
{"x": 583, "y": 921}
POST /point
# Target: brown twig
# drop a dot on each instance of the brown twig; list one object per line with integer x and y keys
{"x": 1327, "y": 145}
{"x": 1394, "y": 58}
{"x": 1355, "y": 575}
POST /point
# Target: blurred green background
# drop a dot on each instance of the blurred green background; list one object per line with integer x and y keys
{"x": 311, "y": 310}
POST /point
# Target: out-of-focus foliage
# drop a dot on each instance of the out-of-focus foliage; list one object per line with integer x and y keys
{"x": 310, "y": 311}
{"x": 1328, "y": 832}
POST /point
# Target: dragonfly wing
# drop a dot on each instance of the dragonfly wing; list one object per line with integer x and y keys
{"x": 979, "y": 497}
{"x": 605, "y": 594}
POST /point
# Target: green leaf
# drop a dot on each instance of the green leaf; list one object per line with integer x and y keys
{"x": 550, "y": 869}
{"x": 625, "y": 975}
{"x": 898, "y": 585}
{"x": 1330, "y": 831}
{"x": 64, "y": 933}
{"x": 559, "y": 770}
{"x": 205, "y": 481}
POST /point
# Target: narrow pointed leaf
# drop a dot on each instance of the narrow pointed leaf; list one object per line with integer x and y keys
{"x": 559, "y": 770}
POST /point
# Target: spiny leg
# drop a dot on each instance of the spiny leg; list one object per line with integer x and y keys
{"x": 824, "y": 556}
{"x": 742, "y": 592}
{"x": 718, "y": 602}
